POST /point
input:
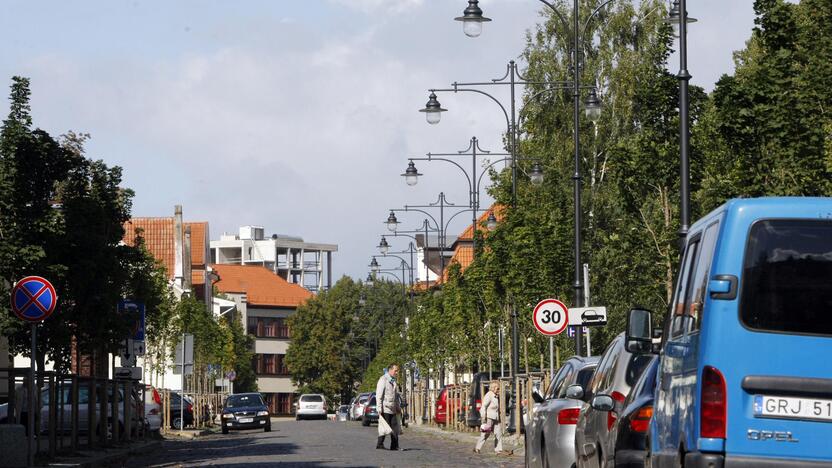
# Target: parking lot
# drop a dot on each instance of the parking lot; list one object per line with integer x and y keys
{"x": 320, "y": 443}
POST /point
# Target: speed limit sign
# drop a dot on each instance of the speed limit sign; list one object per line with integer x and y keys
{"x": 550, "y": 317}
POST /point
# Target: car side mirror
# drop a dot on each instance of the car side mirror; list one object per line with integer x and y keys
{"x": 639, "y": 337}
{"x": 603, "y": 403}
{"x": 575, "y": 392}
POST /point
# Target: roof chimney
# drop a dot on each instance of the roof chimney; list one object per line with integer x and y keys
{"x": 178, "y": 247}
{"x": 186, "y": 266}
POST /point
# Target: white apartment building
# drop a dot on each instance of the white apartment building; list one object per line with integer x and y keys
{"x": 308, "y": 264}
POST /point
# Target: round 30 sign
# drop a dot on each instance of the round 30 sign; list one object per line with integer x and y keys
{"x": 550, "y": 317}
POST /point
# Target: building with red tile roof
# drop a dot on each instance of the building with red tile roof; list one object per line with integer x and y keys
{"x": 261, "y": 286}
{"x": 463, "y": 247}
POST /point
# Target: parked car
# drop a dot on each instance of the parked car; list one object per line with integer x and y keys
{"x": 617, "y": 372}
{"x": 441, "y": 411}
{"x": 137, "y": 420}
{"x": 357, "y": 408}
{"x": 178, "y": 413}
{"x": 342, "y": 413}
{"x": 370, "y": 412}
{"x": 629, "y": 432}
{"x": 744, "y": 375}
{"x": 312, "y": 405}
{"x": 152, "y": 408}
{"x": 550, "y": 437}
{"x": 245, "y": 411}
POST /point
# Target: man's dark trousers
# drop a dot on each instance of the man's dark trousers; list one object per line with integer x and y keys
{"x": 394, "y": 438}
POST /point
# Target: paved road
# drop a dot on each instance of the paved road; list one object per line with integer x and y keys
{"x": 318, "y": 444}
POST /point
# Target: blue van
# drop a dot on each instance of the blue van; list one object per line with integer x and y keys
{"x": 745, "y": 372}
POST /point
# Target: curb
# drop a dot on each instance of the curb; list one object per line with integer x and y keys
{"x": 509, "y": 441}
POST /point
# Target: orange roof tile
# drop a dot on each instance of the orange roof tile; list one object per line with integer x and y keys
{"x": 158, "y": 238}
{"x": 261, "y": 286}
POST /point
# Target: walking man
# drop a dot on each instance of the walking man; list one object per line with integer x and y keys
{"x": 387, "y": 402}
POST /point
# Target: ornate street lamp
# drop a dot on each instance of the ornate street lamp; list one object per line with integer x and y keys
{"x": 472, "y": 19}
{"x": 433, "y": 110}
{"x": 369, "y": 280}
{"x": 592, "y": 106}
{"x": 673, "y": 18}
{"x": 491, "y": 222}
{"x": 374, "y": 266}
{"x": 536, "y": 175}
{"x": 392, "y": 222}
{"x": 411, "y": 175}
{"x": 383, "y": 246}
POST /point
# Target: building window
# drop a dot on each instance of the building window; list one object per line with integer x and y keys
{"x": 279, "y": 403}
{"x": 270, "y": 364}
{"x": 268, "y": 327}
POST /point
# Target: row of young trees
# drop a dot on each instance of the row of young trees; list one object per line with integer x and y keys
{"x": 62, "y": 216}
{"x": 765, "y": 130}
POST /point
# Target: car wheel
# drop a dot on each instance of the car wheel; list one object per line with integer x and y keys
{"x": 177, "y": 423}
{"x": 224, "y": 430}
{"x": 680, "y": 459}
{"x": 365, "y": 422}
{"x": 268, "y": 428}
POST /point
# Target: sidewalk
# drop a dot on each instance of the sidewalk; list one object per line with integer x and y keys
{"x": 511, "y": 443}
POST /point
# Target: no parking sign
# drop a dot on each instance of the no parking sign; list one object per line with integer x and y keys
{"x": 33, "y": 299}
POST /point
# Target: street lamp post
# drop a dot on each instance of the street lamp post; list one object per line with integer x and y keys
{"x": 678, "y": 18}
{"x": 592, "y": 106}
{"x": 422, "y": 230}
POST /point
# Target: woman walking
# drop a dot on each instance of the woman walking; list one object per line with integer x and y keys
{"x": 490, "y": 417}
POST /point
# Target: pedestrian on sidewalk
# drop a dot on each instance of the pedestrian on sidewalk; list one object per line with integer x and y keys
{"x": 387, "y": 403}
{"x": 490, "y": 417}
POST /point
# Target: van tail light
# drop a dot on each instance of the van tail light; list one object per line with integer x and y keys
{"x": 612, "y": 415}
{"x": 714, "y": 405}
{"x": 568, "y": 416}
{"x": 641, "y": 419}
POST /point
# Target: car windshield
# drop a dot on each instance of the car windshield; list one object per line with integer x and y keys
{"x": 635, "y": 367}
{"x": 238, "y": 401}
{"x": 786, "y": 276}
{"x": 311, "y": 398}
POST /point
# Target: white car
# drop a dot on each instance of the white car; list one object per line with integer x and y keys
{"x": 310, "y": 406}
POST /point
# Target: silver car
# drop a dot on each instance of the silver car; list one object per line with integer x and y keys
{"x": 614, "y": 377}
{"x": 357, "y": 407}
{"x": 550, "y": 437}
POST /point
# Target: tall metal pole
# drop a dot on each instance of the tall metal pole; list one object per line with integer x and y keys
{"x": 32, "y": 406}
{"x": 576, "y": 177}
{"x": 684, "y": 132}
{"x": 474, "y": 197}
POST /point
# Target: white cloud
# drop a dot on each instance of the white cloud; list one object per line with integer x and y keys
{"x": 381, "y": 6}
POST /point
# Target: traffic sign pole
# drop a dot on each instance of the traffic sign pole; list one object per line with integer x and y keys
{"x": 30, "y": 409}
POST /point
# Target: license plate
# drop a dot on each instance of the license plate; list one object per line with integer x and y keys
{"x": 813, "y": 409}
{"x": 245, "y": 420}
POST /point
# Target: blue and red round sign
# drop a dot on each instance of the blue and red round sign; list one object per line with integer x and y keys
{"x": 33, "y": 299}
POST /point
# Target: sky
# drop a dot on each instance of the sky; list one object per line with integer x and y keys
{"x": 294, "y": 115}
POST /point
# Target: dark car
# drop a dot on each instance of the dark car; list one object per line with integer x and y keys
{"x": 177, "y": 412}
{"x": 479, "y": 386}
{"x": 245, "y": 411}
{"x": 370, "y": 412}
{"x": 630, "y": 430}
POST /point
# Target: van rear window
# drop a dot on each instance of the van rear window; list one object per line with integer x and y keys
{"x": 787, "y": 277}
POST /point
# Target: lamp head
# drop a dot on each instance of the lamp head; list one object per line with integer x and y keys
{"x": 592, "y": 106}
{"x": 472, "y": 19}
{"x": 383, "y": 246}
{"x": 536, "y": 174}
{"x": 491, "y": 222}
{"x": 411, "y": 175}
{"x": 392, "y": 222}
{"x": 433, "y": 110}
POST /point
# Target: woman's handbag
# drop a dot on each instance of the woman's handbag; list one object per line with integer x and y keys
{"x": 487, "y": 426}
